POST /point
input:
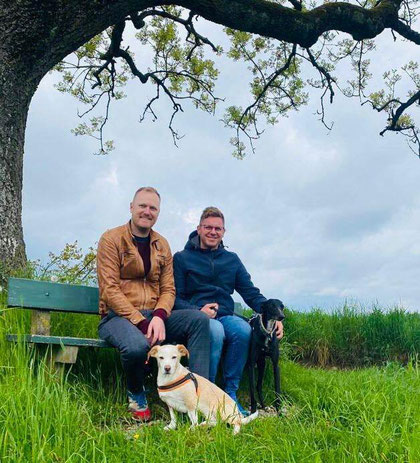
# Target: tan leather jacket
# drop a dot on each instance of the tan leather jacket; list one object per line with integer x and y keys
{"x": 122, "y": 284}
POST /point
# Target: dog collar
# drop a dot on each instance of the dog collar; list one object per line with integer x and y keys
{"x": 263, "y": 328}
{"x": 179, "y": 382}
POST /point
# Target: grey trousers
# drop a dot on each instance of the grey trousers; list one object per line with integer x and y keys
{"x": 188, "y": 327}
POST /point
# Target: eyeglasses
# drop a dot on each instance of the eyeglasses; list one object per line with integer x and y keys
{"x": 209, "y": 228}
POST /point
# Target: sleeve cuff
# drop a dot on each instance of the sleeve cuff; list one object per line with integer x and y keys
{"x": 161, "y": 313}
{"x": 143, "y": 326}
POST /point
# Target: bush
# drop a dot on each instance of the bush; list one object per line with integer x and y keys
{"x": 71, "y": 265}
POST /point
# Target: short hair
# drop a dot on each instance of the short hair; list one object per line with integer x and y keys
{"x": 150, "y": 189}
{"x": 212, "y": 211}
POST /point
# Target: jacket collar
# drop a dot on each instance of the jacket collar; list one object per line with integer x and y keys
{"x": 154, "y": 236}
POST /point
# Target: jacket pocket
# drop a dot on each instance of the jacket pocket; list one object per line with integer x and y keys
{"x": 157, "y": 269}
{"x": 129, "y": 265}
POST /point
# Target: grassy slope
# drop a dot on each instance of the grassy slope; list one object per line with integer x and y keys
{"x": 369, "y": 415}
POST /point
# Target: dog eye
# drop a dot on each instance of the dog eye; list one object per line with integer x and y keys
{"x": 161, "y": 357}
{"x": 174, "y": 357}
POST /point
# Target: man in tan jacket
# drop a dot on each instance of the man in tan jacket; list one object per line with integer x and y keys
{"x": 136, "y": 296}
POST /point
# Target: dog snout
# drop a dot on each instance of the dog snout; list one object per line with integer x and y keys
{"x": 167, "y": 368}
{"x": 273, "y": 309}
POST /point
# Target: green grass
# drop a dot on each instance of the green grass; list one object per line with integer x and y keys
{"x": 363, "y": 415}
{"x": 351, "y": 336}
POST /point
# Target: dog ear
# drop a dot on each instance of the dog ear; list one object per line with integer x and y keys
{"x": 183, "y": 350}
{"x": 153, "y": 352}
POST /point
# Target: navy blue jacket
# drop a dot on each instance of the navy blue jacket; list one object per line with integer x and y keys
{"x": 203, "y": 276}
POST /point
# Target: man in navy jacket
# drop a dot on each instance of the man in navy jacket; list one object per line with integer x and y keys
{"x": 206, "y": 274}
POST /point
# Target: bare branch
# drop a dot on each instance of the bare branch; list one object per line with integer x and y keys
{"x": 116, "y": 39}
{"x": 324, "y": 74}
{"x": 396, "y": 121}
{"x": 268, "y": 83}
{"x": 400, "y": 110}
{"x": 158, "y": 76}
{"x": 249, "y": 114}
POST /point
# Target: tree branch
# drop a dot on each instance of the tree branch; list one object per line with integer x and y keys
{"x": 302, "y": 27}
{"x": 262, "y": 17}
{"x": 399, "y": 111}
{"x": 405, "y": 31}
{"x": 138, "y": 21}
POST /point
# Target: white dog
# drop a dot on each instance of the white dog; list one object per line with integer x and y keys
{"x": 189, "y": 393}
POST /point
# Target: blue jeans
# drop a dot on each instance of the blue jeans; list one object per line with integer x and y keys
{"x": 235, "y": 333}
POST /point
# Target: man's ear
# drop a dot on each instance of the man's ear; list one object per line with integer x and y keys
{"x": 183, "y": 350}
{"x": 153, "y": 352}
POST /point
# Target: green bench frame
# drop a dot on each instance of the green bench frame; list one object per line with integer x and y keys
{"x": 44, "y": 297}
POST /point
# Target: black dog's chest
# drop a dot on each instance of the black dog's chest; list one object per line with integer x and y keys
{"x": 265, "y": 342}
{"x": 268, "y": 345}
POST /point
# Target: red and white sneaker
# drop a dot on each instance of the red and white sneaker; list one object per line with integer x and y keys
{"x": 142, "y": 415}
{"x": 138, "y": 413}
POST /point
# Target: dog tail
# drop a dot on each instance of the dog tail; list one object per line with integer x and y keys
{"x": 249, "y": 418}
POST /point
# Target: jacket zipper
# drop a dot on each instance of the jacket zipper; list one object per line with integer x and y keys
{"x": 144, "y": 291}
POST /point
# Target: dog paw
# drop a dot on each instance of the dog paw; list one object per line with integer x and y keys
{"x": 169, "y": 427}
{"x": 236, "y": 429}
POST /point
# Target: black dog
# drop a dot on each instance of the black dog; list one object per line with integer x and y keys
{"x": 264, "y": 343}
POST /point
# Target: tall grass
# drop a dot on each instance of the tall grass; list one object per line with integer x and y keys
{"x": 352, "y": 336}
{"x": 370, "y": 415}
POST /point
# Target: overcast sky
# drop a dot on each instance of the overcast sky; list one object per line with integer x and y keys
{"x": 317, "y": 217}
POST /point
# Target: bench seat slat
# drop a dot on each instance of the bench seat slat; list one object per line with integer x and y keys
{"x": 46, "y": 295}
{"x": 58, "y": 340}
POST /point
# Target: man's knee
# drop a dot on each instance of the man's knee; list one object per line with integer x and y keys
{"x": 240, "y": 330}
{"x": 135, "y": 352}
{"x": 199, "y": 320}
{"x": 245, "y": 330}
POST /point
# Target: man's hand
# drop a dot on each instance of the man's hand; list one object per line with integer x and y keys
{"x": 210, "y": 309}
{"x": 279, "y": 330}
{"x": 156, "y": 331}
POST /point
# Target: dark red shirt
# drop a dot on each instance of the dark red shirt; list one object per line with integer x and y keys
{"x": 143, "y": 246}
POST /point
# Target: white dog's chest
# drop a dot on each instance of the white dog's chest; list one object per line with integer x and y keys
{"x": 174, "y": 400}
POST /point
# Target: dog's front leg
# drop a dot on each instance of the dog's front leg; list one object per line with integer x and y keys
{"x": 261, "y": 369}
{"x": 251, "y": 373}
{"x": 192, "y": 414}
{"x": 172, "y": 424}
{"x": 276, "y": 371}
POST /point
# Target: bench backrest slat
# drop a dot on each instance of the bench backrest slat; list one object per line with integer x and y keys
{"x": 45, "y": 295}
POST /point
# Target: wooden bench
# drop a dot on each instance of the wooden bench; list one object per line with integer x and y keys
{"x": 44, "y": 297}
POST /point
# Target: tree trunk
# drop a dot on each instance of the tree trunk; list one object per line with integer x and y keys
{"x": 16, "y": 94}
{"x": 34, "y": 36}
